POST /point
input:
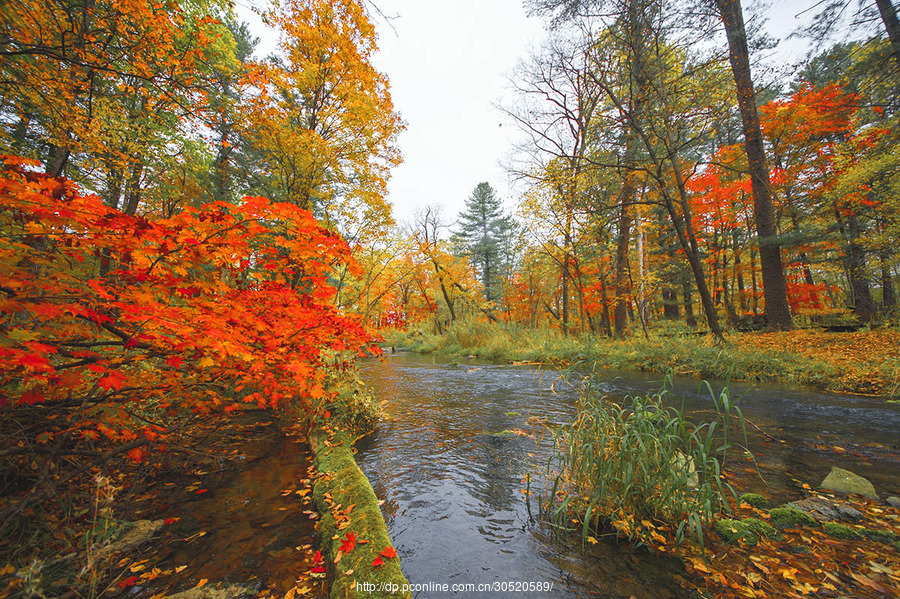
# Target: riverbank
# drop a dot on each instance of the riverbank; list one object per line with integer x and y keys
{"x": 225, "y": 509}
{"x": 858, "y": 362}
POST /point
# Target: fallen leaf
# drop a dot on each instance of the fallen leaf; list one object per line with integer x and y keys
{"x": 179, "y": 569}
{"x": 378, "y": 562}
{"x": 202, "y": 582}
{"x": 348, "y": 543}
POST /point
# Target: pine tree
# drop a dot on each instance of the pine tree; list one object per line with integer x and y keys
{"x": 482, "y": 234}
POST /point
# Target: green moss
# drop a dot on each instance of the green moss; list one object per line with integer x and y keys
{"x": 755, "y": 500}
{"x": 342, "y": 484}
{"x": 788, "y": 517}
{"x": 887, "y": 537}
{"x": 750, "y": 530}
{"x": 762, "y": 529}
{"x": 839, "y": 531}
{"x": 733, "y": 531}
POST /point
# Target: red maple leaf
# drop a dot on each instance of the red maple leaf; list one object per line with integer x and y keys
{"x": 378, "y": 561}
{"x": 317, "y": 559}
{"x": 128, "y": 582}
{"x": 348, "y": 543}
{"x": 389, "y": 552}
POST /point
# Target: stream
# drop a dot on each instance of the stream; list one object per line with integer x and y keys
{"x": 451, "y": 456}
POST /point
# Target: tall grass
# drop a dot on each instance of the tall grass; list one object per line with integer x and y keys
{"x": 642, "y": 467}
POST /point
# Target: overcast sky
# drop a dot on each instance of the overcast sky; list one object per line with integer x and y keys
{"x": 448, "y": 63}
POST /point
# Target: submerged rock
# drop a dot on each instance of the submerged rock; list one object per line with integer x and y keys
{"x": 825, "y": 510}
{"x": 141, "y": 531}
{"x": 893, "y": 500}
{"x": 847, "y": 482}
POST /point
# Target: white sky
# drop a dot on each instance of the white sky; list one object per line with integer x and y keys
{"x": 448, "y": 63}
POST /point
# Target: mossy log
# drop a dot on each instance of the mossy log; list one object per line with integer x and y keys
{"x": 341, "y": 486}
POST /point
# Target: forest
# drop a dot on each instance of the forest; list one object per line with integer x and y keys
{"x": 192, "y": 234}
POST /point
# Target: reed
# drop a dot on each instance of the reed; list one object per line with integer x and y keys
{"x": 641, "y": 468}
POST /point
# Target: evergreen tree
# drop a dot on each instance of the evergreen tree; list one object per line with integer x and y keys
{"x": 482, "y": 236}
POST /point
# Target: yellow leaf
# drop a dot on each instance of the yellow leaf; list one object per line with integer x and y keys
{"x": 202, "y": 582}
{"x": 592, "y": 540}
{"x": 7, "y": 569}
{"x": 179, "y": 569}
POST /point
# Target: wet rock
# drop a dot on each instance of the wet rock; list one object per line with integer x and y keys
{"x": 893, "y": 500}
{"x": 847, "y": 482}
{"x": 143, "y": 530}
{"x": 227, "y": 591}
{"x": 825, "y": 510}
{"x": 686, "y": 464}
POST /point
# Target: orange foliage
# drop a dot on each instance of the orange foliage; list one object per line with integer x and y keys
{"x": 121, "y": 323}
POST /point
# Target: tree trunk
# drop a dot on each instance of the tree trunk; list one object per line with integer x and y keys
{"x": 689, "y": 317}
{"x": 133, "y": 196}
{"x": 777, "y": 310}
{"x": 565, "y": 294}
{"x": 888, "y": 294}
{"x": 891, "y": 24}
{"x": 620, "y": 314}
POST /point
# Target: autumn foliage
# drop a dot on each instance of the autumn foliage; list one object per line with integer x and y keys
{"x": 116, "y": 326}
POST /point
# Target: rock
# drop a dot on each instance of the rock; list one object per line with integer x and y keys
{"x": 143, "y": 530}
{"x": 847, "y": 482}
{"x": 893, "y": 500}
{"x": 686, "y": 464}
{"x": 825, "y": 510}
{"x": 227, "y": 591}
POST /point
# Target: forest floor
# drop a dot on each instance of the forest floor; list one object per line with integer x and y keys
{"x": 864, "y": 362}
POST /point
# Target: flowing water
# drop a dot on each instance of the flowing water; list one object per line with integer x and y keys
{"x": 451, "y": 457}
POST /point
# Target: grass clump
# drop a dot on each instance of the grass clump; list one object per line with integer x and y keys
{"x": 634, "y": 463}
{"x": 755, "y": 500}
{"x": 788, "y": 517}
{"x": 840, "y": 531}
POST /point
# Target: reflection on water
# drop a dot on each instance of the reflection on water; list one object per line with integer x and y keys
{"x": 450, "y": 466}
{"x": 242, "y": 524}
